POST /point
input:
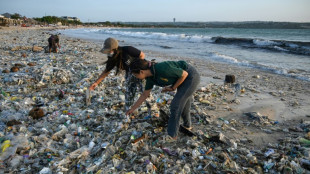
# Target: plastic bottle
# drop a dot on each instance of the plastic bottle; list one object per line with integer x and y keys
{"x": 149, "y": 167}
{"x": 269, "y": 152}
{"x": 157, "y": 130}
{"x": 3, "y": 93}
{"x": 79, "y": 130}
{"x": 161, "y": 101}
{"x": 45, "y": 170}
{"x": 186, "y": 169}
{"x": 304, "y": 142}
{"x": 209, "y": 150}
{"x": 268, "y": 165}
{"x": 118, "y": 144}
{"x": 5, "y": 145}
{"x": 135, "y": 135}
{"x": 104, "y": 145}
{"x": 305, "y": 163}
{"x": 91, "y": 145}
{"x": 237, "y": 90}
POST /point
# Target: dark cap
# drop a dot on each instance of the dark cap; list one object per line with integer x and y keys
{"x": 109, "y": 45}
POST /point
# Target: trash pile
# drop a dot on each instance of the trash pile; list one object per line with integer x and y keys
{"x": 46, "y": 127}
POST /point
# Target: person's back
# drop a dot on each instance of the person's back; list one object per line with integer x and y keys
{"x": 53, "y": 41}
{"x": 129, "y": 54}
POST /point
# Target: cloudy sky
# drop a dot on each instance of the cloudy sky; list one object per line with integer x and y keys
{"x": 163, "y": 10}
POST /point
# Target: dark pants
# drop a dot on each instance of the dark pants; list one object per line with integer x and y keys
{"x": 181, "y": 103}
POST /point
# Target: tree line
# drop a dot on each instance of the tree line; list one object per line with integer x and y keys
{"x": 55, "y": 20}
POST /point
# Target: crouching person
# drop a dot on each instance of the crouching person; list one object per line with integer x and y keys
{"x": 53, "y": 42}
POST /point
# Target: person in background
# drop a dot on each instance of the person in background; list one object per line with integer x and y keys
{"x": 121, "y": 57}
{"x": 53, "y": 42}
{"x": 172, "y": 75}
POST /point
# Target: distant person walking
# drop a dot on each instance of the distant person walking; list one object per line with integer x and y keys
{"x": 121, "y": 58}
{"x": 53, "y": 42}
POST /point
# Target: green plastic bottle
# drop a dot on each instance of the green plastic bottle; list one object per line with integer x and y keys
{"x": 304, "y": 142}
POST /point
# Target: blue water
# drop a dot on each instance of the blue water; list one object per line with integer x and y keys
{"x": 282, "y": 51}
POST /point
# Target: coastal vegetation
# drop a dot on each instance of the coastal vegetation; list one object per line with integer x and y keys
{"x": 247, "y": 24}
{"x": 55, "y": 20}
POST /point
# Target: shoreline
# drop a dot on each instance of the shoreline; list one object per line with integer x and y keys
{"x": 295, "y": 70}
{"x": 283, "y": 100}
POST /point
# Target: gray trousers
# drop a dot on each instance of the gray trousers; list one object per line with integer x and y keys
{"x": 181, "y": 103}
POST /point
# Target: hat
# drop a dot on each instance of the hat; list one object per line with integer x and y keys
{"x": 109, "y": 45}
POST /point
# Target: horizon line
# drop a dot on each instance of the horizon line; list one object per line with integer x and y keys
{"x": 197, "y": 21}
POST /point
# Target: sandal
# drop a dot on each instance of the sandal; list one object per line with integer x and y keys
{"x": 188, "y": 128}
{"x": 168, "y": 139}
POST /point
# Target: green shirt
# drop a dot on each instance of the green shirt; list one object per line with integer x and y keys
{"x": 165, "y": 73}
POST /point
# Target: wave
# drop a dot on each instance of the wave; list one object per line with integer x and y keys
{"x": 293, "y": 47}
{"x": 158, "y": 35}
{"x": 223, "y": 58}
{"x": 294, "y": 73}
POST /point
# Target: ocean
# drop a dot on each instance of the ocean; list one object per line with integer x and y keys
{"x": 281, "y": 51}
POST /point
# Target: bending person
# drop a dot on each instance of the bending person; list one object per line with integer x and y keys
{"x": 171, "y": 75}
{"x": 121, "y": 58}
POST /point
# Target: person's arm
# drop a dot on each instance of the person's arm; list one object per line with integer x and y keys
{"x": 101, "y": 77}
{"x": 141, "y": 99}
{"x": 177, "y": 83}
{"x": 142, "y": 55}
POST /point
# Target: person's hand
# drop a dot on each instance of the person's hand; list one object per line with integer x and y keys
{"x": 93, "y": 86}
{"x": 167, "y": 89}
{"x": 130, "y": 111}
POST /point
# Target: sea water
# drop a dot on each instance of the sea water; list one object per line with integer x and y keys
{"x": 282, "y": 51}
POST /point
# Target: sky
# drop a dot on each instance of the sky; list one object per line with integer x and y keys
{"x": 164, "y": 10}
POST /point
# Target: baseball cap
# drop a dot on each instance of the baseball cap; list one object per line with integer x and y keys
{"x": 109, "y": 45}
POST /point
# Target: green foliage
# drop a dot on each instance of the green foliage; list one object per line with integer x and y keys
{"x": 16, "y": 16}
{"x": 55, "y": 20}
{"x": 108, "y": 23}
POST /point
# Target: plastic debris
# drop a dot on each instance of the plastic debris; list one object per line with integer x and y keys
{"x": 47, "y": 127}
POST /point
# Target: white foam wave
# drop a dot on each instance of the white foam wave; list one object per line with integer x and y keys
{"x": 261, "y": 42}
{"x": 233, "y": 60}
{"x": 224, "y": 58}
{"x": 158, "y": 35}
{"x": 280, "y": 49}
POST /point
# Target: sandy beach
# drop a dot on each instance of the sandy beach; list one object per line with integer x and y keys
{"x": 282, "y": 101}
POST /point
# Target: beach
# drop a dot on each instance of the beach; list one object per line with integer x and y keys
{"x": 281, "y": 102}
